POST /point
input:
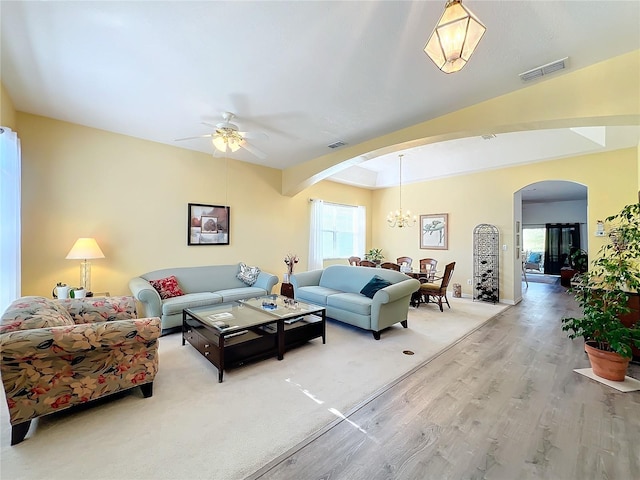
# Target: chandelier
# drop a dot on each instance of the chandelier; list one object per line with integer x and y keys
{"x": 455, "y": 37}
{"x": 401, "y": 219}
{"x": 227, "y": 138}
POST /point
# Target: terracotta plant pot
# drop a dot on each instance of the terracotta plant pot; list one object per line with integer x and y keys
{"x": 605, "y": 364}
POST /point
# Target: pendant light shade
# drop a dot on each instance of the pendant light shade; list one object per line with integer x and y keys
{"x": 455, "y": 37}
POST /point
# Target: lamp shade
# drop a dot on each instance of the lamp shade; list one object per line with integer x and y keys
{"x": 85, "y": 248}
{"x": 455, "y": 37}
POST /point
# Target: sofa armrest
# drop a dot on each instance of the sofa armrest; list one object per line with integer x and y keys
{"x": 396, "y": 291}
{"x": 65, "y": 340}
{"x": 266, "y": 280}
{"x": 305, "y": 279}
{"x": 147, "y": 295}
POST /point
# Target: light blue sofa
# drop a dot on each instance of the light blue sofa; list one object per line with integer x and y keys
{"x": 338, "y": 287}
{"x": 202, "y": 286}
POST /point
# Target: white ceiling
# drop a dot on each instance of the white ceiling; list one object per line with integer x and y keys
{"x": 305, "y": 73}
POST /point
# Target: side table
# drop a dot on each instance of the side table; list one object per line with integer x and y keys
{"x": 286, "y": 290}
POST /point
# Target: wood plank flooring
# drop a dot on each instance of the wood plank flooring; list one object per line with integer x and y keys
{"x": 504, "y": 403}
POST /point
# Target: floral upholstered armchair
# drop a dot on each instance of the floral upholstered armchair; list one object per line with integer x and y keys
{"x": 58, "y": 353}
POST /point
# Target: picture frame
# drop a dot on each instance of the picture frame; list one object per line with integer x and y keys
{"x": 434, "y": 231}
{"x": 208, "y": 224}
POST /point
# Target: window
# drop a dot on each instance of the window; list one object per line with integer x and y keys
{"x": 337, "y": 231}
{"x": 10, "y": 167}
{"x": 340, "y": 232}
{"x": 533, "y": 238}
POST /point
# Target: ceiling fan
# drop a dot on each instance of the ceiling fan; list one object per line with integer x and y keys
{"x": 226, "y": 137}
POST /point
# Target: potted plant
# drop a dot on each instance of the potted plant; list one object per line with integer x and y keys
{"x": 374, "y": 255}
{"x": 603, "y": 294}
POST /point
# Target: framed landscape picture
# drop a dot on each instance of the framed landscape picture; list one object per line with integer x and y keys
{"x": 207, "y": 224}
{"x": 434, "y": 234}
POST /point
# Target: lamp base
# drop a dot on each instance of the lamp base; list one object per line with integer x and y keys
{"x": 85, "y": 275}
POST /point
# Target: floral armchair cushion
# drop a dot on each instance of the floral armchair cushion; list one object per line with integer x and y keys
{"x": 99, "y": 309}
{"x": 28, "y": 313}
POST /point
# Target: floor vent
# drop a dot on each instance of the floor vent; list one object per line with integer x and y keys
{"x": 543, "y": 70}
{"x": 337, "y": 144}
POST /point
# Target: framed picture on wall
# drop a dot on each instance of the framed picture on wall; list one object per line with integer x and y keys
{"x": 434, "y": 233}
{"x": 207, "y": 224}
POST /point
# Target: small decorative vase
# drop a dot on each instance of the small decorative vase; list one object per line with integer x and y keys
{"x": 80, "y": 293}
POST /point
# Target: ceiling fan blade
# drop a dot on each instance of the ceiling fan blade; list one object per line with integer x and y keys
{"x": 191, "y": 138}
{"x": 253, "y": 150}
{"x": 255, "y": 135}
{"x": 209, "y": 124}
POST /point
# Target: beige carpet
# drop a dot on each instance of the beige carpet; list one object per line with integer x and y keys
{"x": 193, "y": 427}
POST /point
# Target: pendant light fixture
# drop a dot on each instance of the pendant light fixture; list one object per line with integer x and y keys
{"x": 401, "y": 219}
{"x": 455, "y": 37}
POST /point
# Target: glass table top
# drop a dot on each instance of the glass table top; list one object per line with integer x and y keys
{"x": 280, "y": 306}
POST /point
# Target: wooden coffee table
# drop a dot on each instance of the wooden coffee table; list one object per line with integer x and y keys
{"x": 234, "y": 333}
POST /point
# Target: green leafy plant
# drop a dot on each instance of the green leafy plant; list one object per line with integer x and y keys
{"x": 603, "y": 291}
{"x": 374, "y": 255}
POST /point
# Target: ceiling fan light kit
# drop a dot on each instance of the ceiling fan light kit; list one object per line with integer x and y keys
{"x": 455, "y": 37}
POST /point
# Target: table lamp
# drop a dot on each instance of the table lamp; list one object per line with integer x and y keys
{"x": 85, "y": 249}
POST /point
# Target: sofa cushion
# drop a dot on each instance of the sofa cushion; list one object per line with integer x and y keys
{"x": 175, "y": 305}
{"x": 376, "y": 283}
{"x": 167, "y": 287}
{"x": 28, "y": 313}
{"x": 315, "y": 294}
{"x": 350, "y": 302}
{"x": 232, "y": 294}
{"x": 534, "y": 257}
{"x": 248, "y": 274}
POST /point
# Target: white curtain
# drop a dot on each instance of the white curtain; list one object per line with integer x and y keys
{"x": 10, "y": 177}
{"x": 315, "y": 236}
{"x": 360, "y": 231}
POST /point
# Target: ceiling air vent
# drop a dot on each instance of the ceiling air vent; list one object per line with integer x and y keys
{"x": 544, "y": 70}
{"x": 337, "y": 144}
{"x": 489, "y": 137}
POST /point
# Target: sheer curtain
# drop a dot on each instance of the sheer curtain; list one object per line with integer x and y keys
{"x": 360, "y": 232}
{"x": 10, "y": 167}
{"x": 315, "y": 236}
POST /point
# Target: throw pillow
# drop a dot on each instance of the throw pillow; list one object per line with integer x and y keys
{"x": 375, "y": 284}
{"x": 248, "y": 274}
{"x": 167, "y": 287}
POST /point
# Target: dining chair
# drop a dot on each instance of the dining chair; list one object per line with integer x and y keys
{"x": 355, "y": 261}
{"x": 390, "y": 266}
{"x": 437, "y": 290}
{"x": 407, "y": 260}
{"x": 428, "y": 268}
{"x": 367, "y": 263}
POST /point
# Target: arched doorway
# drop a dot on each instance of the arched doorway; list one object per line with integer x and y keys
{"x": 552, "y": 221}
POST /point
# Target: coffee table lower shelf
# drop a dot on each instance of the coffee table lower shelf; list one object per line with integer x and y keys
{"x": 256, "y": 343}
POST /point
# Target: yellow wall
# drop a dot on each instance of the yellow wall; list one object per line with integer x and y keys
{"x": 607, "y": 93}
{"x": 487, "y": 197}
{"x": 132, "y": 196}
{"x": 7, "y": 111}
